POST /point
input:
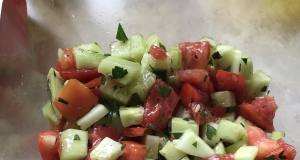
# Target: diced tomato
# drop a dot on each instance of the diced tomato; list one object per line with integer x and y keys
{"x": 157, "y": 53}
{"x": 157, "y": 109}
{"x": 228, "y": 81}
{"x": 136, "y": 131}
{"x": 190, "y": 94}
{"x": 196, "y": 77}
{"x": 200, "y": 113}
{"x": 75, "y": 100}
{"x": 97, "y": 134}
{"x": 65, "y": 124}
{"x": 218, "y": 111}
{"x": 68, "y": 60}
{"x": 94, "y": 85}
{"x": 221, "y": 157}
{"x": 48, "y": 144}
{"x": 268, "y": 147}
{"x": 261, "y": 112}
{"x": 82, "y": 75}
{"x": 133, "y": 150}
{"x": 195, "y": 55}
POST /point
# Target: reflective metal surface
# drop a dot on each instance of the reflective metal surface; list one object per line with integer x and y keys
{"x": 268, "y": 31}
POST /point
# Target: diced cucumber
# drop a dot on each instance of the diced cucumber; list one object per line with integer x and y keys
{"x": 176, "y": 58}
{"x": 138, "y": 47}
{"x": 275, "y": 135}
{"x": 185, "y": 158}
{"x": 94, "y": 115}
{"x": 121, "y": 49}
{"x": 230, "y": 131}
{"x": 224, "y": 98}
{"x": 115, "y": 91}
{"x": 152, "y": 144}
{"x": 173, "y": 81}
{"x": 88, "y": 56}
{"x": 155, "y": 40}
{"x": 170, "y": 152}
{"x": 151, "y": 64}
{"x": 229, "y": 116}
{"x": 246, "y": 153}
{"x": 107, "y": 149}
{"x": 74, "y": 144}
{"x": 50, "y": 115}
{"x": 143, "y": 83}
{"x": 131, "y": 115}
{"x": 121, "y": 70}
{"x": 114, "y": 120}
{"x": 54, "y": 86}
{"x": 209, "y": 134}
{"x": 234, "y": 147}
{"x": 179, "y": 125}
{"x": 213, "y": 45}
{"x": 258, "y": 84}
{"x": 191, "y": 144}
{"x": 244, "y": 122}
{"x": 219, "y": 148}
{"x": 242, "y": 65}
{"x": 222, "y": 58}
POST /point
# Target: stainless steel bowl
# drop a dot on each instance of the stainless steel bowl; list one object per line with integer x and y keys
{"x": 268, "y": 31}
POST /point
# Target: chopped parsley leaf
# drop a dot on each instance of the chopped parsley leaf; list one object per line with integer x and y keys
{"x": 210, "y": 132}
{"x": 195, "y": 144}
{"x": 205, "y": 77}
{"x": 210, "y": 62}
{"x": 242, "y": 125}
{"x": 177, "y": 135}
{"x": 240, "y": 67}
{"x": 121, "y": 36}
{"x": 264, "y": 89}
{"x": 162, "y": 47}
{"x": 123, "y": 146}
{"x": 54, "y": 73}
{"x": 76, "y": 137}
{"x": 281, "y": 156}
{"x": 164, "y": 91}
{"x": 186, "y": 119}
{"x": 118, "y": 72}
{"x": 62, "y": 101}
{"x": 103, "y": 81}
{"x": 204, "y": 113}
{"x": 245, "y": 60}
{"x": 152, "y": 126}
{"x": 216, "y": 55}
{"x": 115, "y": 87}
{"x": 160, "y": 73}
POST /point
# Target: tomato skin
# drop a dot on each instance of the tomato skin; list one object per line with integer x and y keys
{"x": 261, "y": 112}
{"x": 68, "y": 60}
{"x": 228, "y": 81}
{"x": 79, "y": 103}
{"x": 133, "y": 150}
{"x": 200, "y": 113}
{"x": 82, "y": 75}
{"x": 157, "y": 53}
{"x": 196, "y": 77}
{"x": 190, "y": 94}
{"x": 221, "y": 157}
{"x": 218, "y": 111}
{"x": 289, "y": 150}
{"x": 195, "y": 55}
{"x": 48, "y": 144}
{"x": 65, "y": 124}
{"x": 135, "y": 131}
{"x": 157, "y": 109}
{"x": 94, "y": 85}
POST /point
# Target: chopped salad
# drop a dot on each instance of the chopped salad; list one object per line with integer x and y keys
{"x": 197, "y": 100}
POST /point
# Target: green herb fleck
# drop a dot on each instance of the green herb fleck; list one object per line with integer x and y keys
{"x": 121, "y": 36}
{"x": 162, "y": 118}
{"x": 186, "y": 119}
{"x": 210, "y": 132}
{"x": 205, "y": 77}
{"x": 162, "y": 47}
{"x": 54, "y": 73}
{"x": 242, "y": 125}
{"x": 245, "y": 60}
{"x": 216, "y": 55}
{"x": 115, "y": 87}
{"x": 240, "y": 67}
{"x": 123, "y": 146}
{"x": 152, "y": 126}
{"x": 103, "y": 81}
{"x": 164, "y": 91}
{"x": 195, "y": 144}
{"x": 228, "y": 68}
{"x": 177, "y": 135}
{"x": 281, "y": 156}
{"x": 210, "y": 62}
{"x": 268, "y": 92}
{"x": 264, "y": 89}
{"x": 118, "y": 72}
{"x": 62, "y": 101}
{"x": 76, "y": 137}
{"x": 160, "y": 73}
{"x": 204, "y": 113}
{"x": 272, "y": 157}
